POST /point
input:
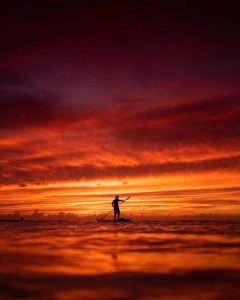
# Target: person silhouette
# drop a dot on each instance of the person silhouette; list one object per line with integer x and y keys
{"x": 116, "y": 207}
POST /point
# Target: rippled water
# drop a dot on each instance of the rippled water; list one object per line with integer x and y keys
{"x": 139, "y": 260}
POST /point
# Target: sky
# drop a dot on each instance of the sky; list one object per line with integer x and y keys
{"x": 100, "y": 98}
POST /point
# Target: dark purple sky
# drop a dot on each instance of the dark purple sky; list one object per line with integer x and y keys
{"x": 95, "y": 54}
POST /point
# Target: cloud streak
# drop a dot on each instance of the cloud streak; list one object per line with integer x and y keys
{"x": 34, "y": 111}
{"x": 210, "y": 123}
{"x": 57, "y": 173}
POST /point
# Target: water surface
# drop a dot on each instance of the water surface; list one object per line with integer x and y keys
{"x": 140, "y": 260}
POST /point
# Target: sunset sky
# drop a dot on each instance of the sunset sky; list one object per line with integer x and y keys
{"x": 120, "y": 97}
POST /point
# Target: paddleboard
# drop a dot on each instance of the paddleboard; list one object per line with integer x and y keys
{"x": 111, "y": 221}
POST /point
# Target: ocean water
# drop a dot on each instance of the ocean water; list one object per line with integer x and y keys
{"x": 182, "y": 260}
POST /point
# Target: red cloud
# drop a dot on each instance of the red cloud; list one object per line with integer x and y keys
{"x": 30, "y": 111}
{"x": 213, "y": 123}
{"x": 72, "y": 144}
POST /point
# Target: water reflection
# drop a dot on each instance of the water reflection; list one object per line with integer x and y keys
{"x": 144, "y": 260}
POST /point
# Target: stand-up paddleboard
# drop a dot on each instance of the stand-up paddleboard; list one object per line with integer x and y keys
{"x": 111, "y": 221}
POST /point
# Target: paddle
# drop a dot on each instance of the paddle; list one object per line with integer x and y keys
{"x": 99, "y": 220}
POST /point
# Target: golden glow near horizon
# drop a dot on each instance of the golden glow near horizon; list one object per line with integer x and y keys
{"x": 151, "y": 197}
